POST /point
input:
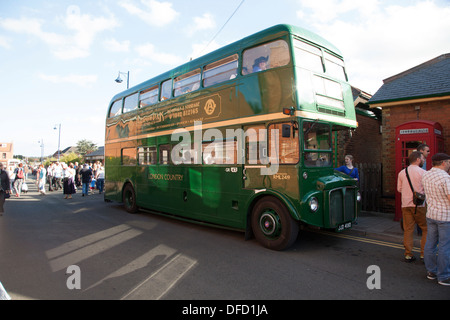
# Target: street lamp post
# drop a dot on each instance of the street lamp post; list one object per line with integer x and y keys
{"x": 119, "y": 79}
{"x": 42, "y": 149}
{"x": 59, "y": 139}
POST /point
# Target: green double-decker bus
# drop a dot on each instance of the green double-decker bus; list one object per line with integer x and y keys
{"x": 240, "y": 138}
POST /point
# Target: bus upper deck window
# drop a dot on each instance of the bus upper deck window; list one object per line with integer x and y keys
{"x": 186, "y": 83}
{"x": 166, "y": 90}
{"x": 220, "y": 71}
{"x": 148, "y": 97}
{"x": 267, "y": 56}
{"x": 131, "y": 103}
{"x": 116, "y": 109}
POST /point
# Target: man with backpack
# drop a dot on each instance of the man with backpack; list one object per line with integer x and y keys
{"x": 409, "y": 181}
{"x": 20, "y": 175}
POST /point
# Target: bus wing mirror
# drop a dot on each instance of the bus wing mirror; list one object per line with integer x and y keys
{"x": 286, "y": 131}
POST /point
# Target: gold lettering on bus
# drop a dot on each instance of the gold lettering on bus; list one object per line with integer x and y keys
{"x": 165, "y": 176}
{"x": 181, "y": 115}
{"x": 210, "y": 106}
{"x": 281, "y": 176}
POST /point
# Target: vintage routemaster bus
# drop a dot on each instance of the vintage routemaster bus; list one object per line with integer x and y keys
{"x": 240, "y": 138}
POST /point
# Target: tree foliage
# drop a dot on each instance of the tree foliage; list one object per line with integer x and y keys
{"x": 85, "y": 147}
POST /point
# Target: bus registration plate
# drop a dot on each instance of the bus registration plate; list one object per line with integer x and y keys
{"x": 344, "y": 226}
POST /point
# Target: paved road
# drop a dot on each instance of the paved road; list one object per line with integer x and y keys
{"x": 145, "y": 256}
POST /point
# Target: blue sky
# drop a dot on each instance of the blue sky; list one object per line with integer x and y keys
{"x": 59, "y": 59}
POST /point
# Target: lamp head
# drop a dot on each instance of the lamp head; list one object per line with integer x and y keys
{"x": 119, "y": 79}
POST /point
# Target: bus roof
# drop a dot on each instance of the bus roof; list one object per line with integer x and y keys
{"x": 230, "y": 49}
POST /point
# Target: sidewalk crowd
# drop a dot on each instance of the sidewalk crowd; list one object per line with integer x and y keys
{"x": 56, "y": 176}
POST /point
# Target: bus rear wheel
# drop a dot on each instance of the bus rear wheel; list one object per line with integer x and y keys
{"x": 272, "y": 224}
{"x": 129, "y": 199}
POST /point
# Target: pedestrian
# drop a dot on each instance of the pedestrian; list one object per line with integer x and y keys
{"x": 436, "y": 183}
{"x": 348, "y": 168}
{"x": 77, "y": 175}
{"x": 41, "y": 177}
{"x": 425, "y": 150}
{"x": 68, "y": 181}
{"x": 4, "y": 187}
{"x": 18, "y": 181}
{"x": 50, "y": 170}
{"x": 86, "y": 177}
{"x": 58, "y": 176}
{"x": 409, "y": 181}
{"x": 100, "y": 178}
{"x": 27, "y": 170}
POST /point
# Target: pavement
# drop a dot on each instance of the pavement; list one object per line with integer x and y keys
{"x": 380, "y": 226}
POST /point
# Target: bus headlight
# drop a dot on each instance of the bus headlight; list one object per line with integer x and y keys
{"x": 313, "y": 204}
{"x": 358, "y": 197}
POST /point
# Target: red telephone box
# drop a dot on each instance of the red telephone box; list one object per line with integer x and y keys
{"x": 408, "y": 136}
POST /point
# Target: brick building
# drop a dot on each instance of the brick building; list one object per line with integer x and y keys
{"x": 420, "y": 93}
{"x": 364, "y": 142}
{"x": 6, "y": 152}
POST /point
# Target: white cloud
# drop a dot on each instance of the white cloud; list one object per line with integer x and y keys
{"x": 325, "y": 10}
{"x": 200, "y": 49}
{"x": 385, "y": 40}
{"x": 83, "y": 29}
{"x": 5, "y": 42}
{"x": 116, "y": 46}
{"x": 80, "y": 80}
{"x": 154, "y": 13}
{"x": 148, "y": 51}
{"x": 204, "y": 22}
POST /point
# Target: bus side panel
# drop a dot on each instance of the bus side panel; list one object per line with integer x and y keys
{"x": 223, "y": 198}
{"x": 266, "y": 92}
{"x": 165, "y": 189}
{"x": 113, "y": 175}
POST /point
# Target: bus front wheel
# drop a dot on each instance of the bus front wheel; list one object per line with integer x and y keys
{"x": 129, "y": 199}
{"x": 272, "y": 224}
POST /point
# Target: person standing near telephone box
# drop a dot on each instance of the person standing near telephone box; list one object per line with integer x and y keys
{"x": 437, "y": 250}
{"x": 410, "y": 181}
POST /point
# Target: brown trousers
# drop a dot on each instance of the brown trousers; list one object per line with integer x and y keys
{"x": 410, "y": 219}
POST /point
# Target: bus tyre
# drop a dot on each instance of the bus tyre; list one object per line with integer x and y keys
{"x": 272, "y": 224}
{"x": 129, "y": 199}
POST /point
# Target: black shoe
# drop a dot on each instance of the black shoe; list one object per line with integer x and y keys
{"x": 431, "y": 275}
{"x": 445, "y": 282}
{"x": 410, "y": 258}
